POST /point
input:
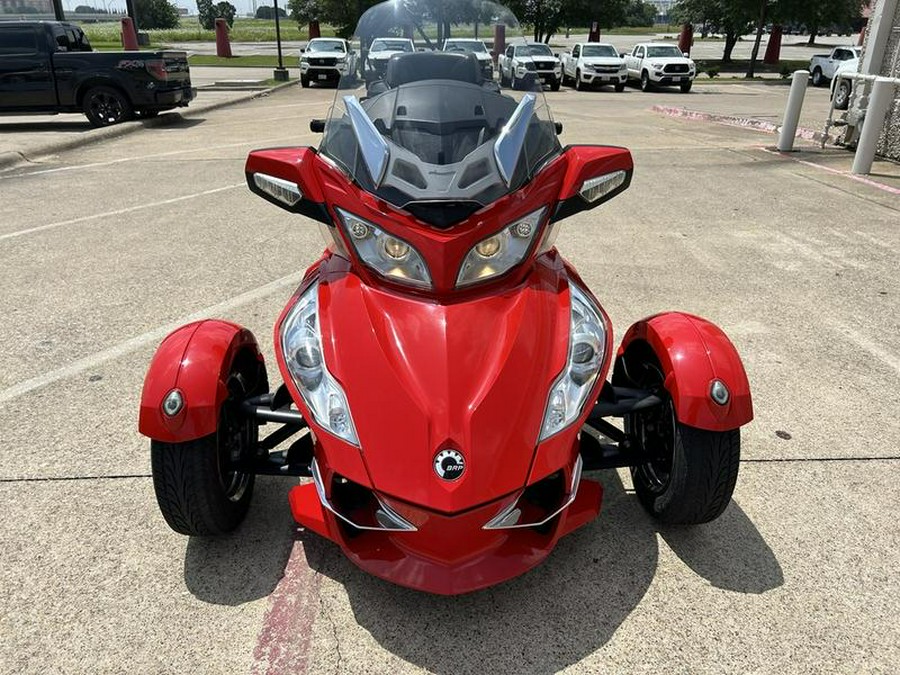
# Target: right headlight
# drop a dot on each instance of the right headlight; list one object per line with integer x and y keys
{"x": 497, "y": 254}
{"x": 388, "y": 255}
{"x": 587, "y": 347}
{"x": 301, "y": 345}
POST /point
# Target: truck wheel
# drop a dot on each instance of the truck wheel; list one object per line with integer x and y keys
{"x": 198, "y": 492}
{"x": 104, "y": 106}
{"x": 686, "y": 87}
{"x": 817, "y": 79}
{"x": 620, "y": 86}
{"x": 503, "y": 81}
{"x": 579, "y": 85}
{"x": 304, "y": 81}
{"x": 842, "y": 95}
{"x": 645, "y": 81}
{"x": 555, "y": 85}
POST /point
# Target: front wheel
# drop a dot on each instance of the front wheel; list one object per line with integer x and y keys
{"x": 686, "y": 87}
{"x": 579, "y": 85}
{"x": 620, "y": 86}
{"x": 842, "y": 95}
{"x": 645, "y": 81}
{"x": 817, "y": 78}
{"x": 554, "y": 86}
{"x": 690, "y": 473}
{"x": 304, "y": 81}
{"x": 198, "y": 487}
{"x": 104, "y": 106}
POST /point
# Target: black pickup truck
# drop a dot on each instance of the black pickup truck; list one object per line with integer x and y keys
{"x": 48, "y": 67}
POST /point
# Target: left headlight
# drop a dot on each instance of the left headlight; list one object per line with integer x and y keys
{"x": 301, "y": 344}
{"x": 587, "y": 350}
{"x": 388, "y": 255}
{"x": 497, "y": 254}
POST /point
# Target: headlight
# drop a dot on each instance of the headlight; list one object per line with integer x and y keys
{"x": 301, "y": 344}
{"x": 587, "y": 346}
{"x": 530, "y": 66}
{"x": 500, "y": 252}
{"x": 388, "y": 255}
{"x": 658, "y": 66}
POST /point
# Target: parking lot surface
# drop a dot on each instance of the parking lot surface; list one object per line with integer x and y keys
{"x": 107, "y": 247}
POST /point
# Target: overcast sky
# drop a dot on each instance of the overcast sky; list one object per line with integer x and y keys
{"x": 243, "y": 6}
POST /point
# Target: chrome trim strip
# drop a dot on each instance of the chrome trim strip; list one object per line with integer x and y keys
{"x": 372, "y": 145}
{"x": 493, "y": 523}
{"x": 511, "y": 139}
{"x": 402, "y": 524}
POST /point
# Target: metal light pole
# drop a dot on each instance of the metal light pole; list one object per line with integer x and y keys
{"x": 281, "y": 73}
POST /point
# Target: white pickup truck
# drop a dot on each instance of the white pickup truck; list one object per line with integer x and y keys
{"x": 822, "y": 66}
{"x": 380, "y": 53}
{"x": 521, "y": 64}
{"x": 472, "y": 46}
{"x": 594, "y": 63}
{"x": 655, "y": 64}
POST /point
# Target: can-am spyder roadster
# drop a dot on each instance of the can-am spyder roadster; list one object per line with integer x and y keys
{"x": 445, "y": 369}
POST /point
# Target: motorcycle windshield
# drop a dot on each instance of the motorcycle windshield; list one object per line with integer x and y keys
{"x": 414, "y": 124}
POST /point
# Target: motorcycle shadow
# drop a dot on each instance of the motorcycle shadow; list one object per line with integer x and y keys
{"x": 246, "y": 564}
{"x": 560, "y": 612}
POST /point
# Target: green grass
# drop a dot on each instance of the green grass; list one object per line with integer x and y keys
{"x": 244, "y": 30}
{"x": 257, "y": 61}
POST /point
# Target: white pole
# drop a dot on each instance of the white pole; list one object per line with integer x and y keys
{"x": 792, "y": 110}
{"x": 879, "y": 101}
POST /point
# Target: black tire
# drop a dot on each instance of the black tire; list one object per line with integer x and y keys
{"x": 579, "y": 85}
{"x": 513, "y": 82}
{"x": 620, "y": 86}
{"x": 842, "y": 95}
{"x": 105, "y": 106}
{"x": 686, "y": 87}
{"x": 503, "y": 81}
{"x": 817, "y": 79}
{"x": 645, "y": 81}
{"x": 693, "y": 472}
{"x": 554, "y": 86}
{"x": 304, "y": 81}
{"x": 197, "y": 492}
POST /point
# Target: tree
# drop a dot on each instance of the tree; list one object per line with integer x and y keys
{"x": 227, "y": 11}
{"x": 733, "y": 18}
{"x": 640, "y": 13}
{"x": 156, "y": 14}
{"x": 208, "y": 13}
{"x": 268, "y": 13}
{"x": 819, "y": 15}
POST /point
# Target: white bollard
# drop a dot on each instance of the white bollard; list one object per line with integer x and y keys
{"x": 792, "y": 111}
{"x": 879, "y": 101}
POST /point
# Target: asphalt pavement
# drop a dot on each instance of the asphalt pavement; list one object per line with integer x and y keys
{"x": 107, "y": 247}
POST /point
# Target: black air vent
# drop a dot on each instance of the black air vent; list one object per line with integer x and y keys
{"x": 442, "y": 214}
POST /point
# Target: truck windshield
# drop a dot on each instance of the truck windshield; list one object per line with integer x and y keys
{"x": 326, "y": 46}
{"x": 663, "y": 52}
{"x": 533, "y": 50}
{"x": 474, "y": 46}
{"x": 391, "y": 46}
{"x": 599, "y": 50}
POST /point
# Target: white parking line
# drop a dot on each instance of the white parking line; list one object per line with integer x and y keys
{"x": 148, "y": 338}
{"x": 117, "y": 212}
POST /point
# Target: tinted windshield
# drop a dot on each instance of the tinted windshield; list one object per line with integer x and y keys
{"x": 391, "y": 46}
{"x": 426, "y": 126}
{"x": 663, "y": 52}
{"x": 467, "y": 46}
{"x": 599, "y": 50}
{"x": 326, "y": 46}
{"x": 533, "y": 50}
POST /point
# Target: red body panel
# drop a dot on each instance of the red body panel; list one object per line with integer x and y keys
{"x": 693, "y": 352}
{"x": 195, "y": 359}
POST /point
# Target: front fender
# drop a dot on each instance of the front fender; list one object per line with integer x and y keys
{"x": 692, "y": 353}
{"x": 197, "y": 359}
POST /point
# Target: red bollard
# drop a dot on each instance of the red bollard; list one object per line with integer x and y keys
{"x": 686, "y": 38}
{"x": 314, "y": 31}
{"x": 773, "y": 49}
{"x": 499, "y": 41}
{"x": 223, "y": 45}
{"x": 594, "y": 34}
{"x": 862, "y": 33}
{"x": 129, "y": 36}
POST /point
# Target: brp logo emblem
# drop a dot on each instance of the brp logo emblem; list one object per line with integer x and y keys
{"x": 449, "y": 464}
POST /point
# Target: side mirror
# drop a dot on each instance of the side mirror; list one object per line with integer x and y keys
{"x": 287, "y": 177}
{"x": 686, "y": 55}
{"x": 595, "y": 174}
{"x": 317, "y": 126}
{"x": 302, "y": 50}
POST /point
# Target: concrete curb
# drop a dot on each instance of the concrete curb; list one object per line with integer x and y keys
{"x": 743, "y": 122}
{"x": 12, "y": 158}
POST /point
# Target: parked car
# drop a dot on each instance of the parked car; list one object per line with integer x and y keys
{"x": 49, "y": 67}
{"x": 476, "y": 47}
{"x": 521, "y": 63}
{"x": 822, "y": 66}
{"x": 842, "y": 87}
{"x": 655, "y": 64}
{"x": 594, "y": 63}
{"x": 380, "y": 52}
{"x": 324, "y": 61}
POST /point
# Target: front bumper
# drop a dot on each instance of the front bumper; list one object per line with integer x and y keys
{"x": 665, "y": 79}
{"x": 593, "y": 77}
{"x": 447, "y": 554}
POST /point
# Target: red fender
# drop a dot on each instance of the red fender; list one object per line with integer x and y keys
{"x": 195, "y": 359}
{"x": 693, "y": 353}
